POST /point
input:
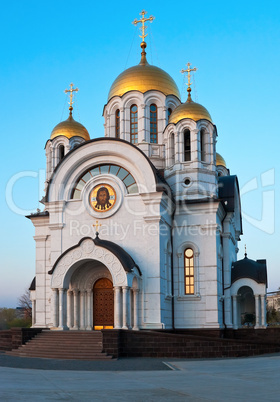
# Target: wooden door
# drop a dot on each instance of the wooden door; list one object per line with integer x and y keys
{"x": 103, "y": 304}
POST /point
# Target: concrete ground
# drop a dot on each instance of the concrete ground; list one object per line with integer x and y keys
{"x": 242, "y": 379}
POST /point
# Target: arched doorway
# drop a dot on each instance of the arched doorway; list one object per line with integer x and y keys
{"x": 247, "y": 306}
{"x": 103, "y": 304}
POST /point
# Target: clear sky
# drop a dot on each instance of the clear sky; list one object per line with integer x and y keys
{"x": 47, "y": 45}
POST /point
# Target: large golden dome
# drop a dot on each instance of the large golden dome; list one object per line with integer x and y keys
{"x": 70, "y": 128}
{"x": 143, "y": 78}
{"x": 189, "y": 110}
{"x": 220, "y": 160}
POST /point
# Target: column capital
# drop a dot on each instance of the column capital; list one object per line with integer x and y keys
{"x": 75, "y": 291}
{"x": 135, "y": 290}
{"x": 69, "y": 291}
{"x": 125, "y": 288}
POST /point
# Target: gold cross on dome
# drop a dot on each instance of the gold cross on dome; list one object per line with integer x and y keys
{"x": 188, "y": 70}
{"x": 142, "y": 21}
{"x": 97, "y": 226}
{"x": 70, "y": 91}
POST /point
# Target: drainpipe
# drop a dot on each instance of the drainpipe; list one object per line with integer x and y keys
{"x": 172, "y": 269}
{"x": 223, "y": 276}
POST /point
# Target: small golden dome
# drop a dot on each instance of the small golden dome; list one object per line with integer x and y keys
{"x": 220, "y": 160}
{"x": 189, "y": 110}
{"x": 70, "y": 128}
{"x": 143, "y": 78}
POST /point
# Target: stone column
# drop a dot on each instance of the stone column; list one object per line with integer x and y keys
{"x": 135, "y": 305}
{"x": 125, "y": 292}
{"x": 76, "y": 309}
{"x": 117, "y": 307}
{"x": 235, "y": 323}
{"x": 195, "y": 148}
{"x": 177, "y": 147}
{"x": 89, "y": 310}
{"x": 263, "y": 311}
{"x": 257, "y": 309}
{"x": 33, "y": 312}
{"x": 142, "y": 130}
{"x": 82, "y": 309}
{"x": 61, "y": 308}
{"x": 69, "y": 308}
{"x": 129, "y": 294}
{"x": 55, "y": 307}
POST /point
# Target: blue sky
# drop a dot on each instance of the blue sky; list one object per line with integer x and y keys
{"x": 47, "y": 45}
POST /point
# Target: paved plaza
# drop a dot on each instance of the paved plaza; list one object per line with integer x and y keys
{"x": 242, "y": 379}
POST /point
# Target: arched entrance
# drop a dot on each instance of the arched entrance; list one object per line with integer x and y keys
{"x": 75, "y": 277}
{"x": 247, "y": 306}
{"x": 103, "y": 304}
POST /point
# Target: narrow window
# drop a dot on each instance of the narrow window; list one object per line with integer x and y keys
{"x": 153, "y": 124}
{"x": 172, "y": 149}
{"x": 189, "y": 271}
{"x": 133, "y": 124}
{"x": 169, "y": 111}
{"x": 118, "y": 123}
{"x": 187, "y": 145}
{"x": 61, "y": 152}
{"x": 202, "y": 145}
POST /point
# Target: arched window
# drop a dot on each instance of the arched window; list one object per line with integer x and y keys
{"x": 169, "y": 111}
{"x": 187, "y": 145}
{"x": 189, "y": 271}
{"x": 133, "y": 124}
{"x": 153, "y": 124}
{"x": 117, "y": 123}
{"x": 172, "y": 149}
{"x": 203, "y": 145}
{"x": 61, "y": 152}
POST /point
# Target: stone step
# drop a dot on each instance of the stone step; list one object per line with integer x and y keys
{"x": 60, "y": 350}
{"x": 93, "y": 356}
{"x": 64, "y": 345}
{"x": 68, "y": 342}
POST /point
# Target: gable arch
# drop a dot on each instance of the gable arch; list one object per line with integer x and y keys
{"x": 101, "y": 151}
{"x": 84, "y": 252}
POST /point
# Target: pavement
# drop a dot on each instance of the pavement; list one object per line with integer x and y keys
{"x": 141, "y": 379}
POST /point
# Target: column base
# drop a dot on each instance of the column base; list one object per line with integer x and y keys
{"x": 124, "y": 327}
{"x": 89, "y": 328}
{"x": 135, "y": 328}
{"x": 63, "y": 328}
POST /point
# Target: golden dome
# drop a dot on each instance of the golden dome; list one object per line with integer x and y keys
{"x": 189, "y": 110}
{"x": 143, "y": 78}
{"x": 70, "y": 128}
{"x": 220, "y": 160}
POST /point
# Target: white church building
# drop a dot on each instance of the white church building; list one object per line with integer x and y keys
{"x": 140, "y": 228}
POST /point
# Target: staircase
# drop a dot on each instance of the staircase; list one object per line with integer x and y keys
{"x": 78, "y": 345}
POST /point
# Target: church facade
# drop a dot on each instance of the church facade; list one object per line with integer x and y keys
{"x": 140, "y": 228}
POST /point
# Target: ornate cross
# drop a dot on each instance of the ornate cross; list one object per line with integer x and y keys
{"x": 70, "y": 91}
{"x": 97, "y": 226}
{"x": 143, "y": 20}
{"x": 188, "y": 70}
